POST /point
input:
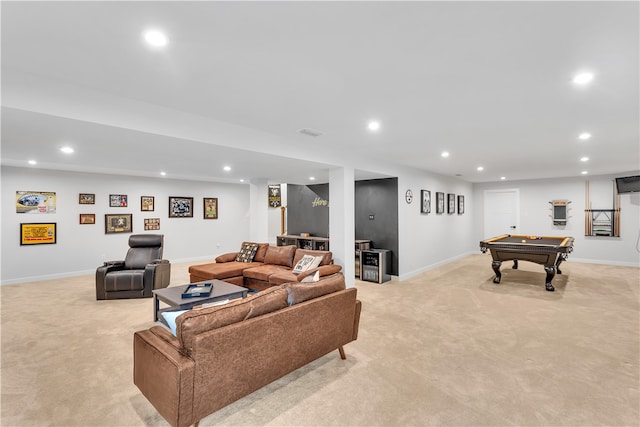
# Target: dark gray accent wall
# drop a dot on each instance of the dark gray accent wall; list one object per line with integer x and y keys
{"x": 308, "y": 209}
{"x": 376, "y": 215}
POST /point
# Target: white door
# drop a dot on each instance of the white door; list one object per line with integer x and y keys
{"x": 501, "y": 212}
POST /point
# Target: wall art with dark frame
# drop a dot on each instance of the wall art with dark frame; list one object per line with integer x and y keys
{"x": 117, "y": 223}
{"x": 460, "y": 205}
{"x": 118, "y": 200}
{"x": 42, "y": 233}
{"x": 451, "y": 205}
{"x": 147, "y": 203}
{"x": 180, "y": 207}
{"x": 439, "y": 202}
{"x": 87, "y": 218}
{"x": 425, "y": 207}
{"x": 87, "y": 199}
{"x": 152, "y": 223}
{"x": 210, "y": 207}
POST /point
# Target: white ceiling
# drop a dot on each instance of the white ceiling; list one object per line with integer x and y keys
{"x": 490, "y": 82}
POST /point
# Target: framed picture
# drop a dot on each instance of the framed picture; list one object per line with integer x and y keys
{"x": 87, "y": 218}
{"x": 426, "y": 201}
{"x": 451, "y": 206}
{"x": 460, "y": 205}
{"x": 180, "y": 207}
{"x": 35, "y": 202}
{"x": 275, "y": 196}
{"x": 147, "y": 203}
{"x": 152, "y": 223}
{"x": 118, "y": 200}
{"x": 210, "y": 208}
{"x": 439, "y": 202}
{"x": 38, "y": 233}
{"x": 87, "y": 199}
{"x": 117, "y": 223}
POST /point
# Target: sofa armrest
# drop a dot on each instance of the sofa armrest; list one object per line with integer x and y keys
{"x": 165, "y": 376}
{"x": 325, "y": 270}
{"x": 229, "y": 257}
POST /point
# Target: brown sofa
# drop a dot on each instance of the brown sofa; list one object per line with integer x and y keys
{"x": 272, "y": 265}
{"x": 221, "y": 354}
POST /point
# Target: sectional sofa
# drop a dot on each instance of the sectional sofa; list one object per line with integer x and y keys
{"x": 270, "y": 266}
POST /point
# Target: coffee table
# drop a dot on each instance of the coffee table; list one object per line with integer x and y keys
{"x": 172, "y": 296}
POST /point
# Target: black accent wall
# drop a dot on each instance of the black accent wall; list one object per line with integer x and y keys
{"x": 308, "y": 209}
{"x": 378, "y": 197}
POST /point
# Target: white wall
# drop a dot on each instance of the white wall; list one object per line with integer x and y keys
{"x": 429, "y": 240}
{"x": 535, "y": 196}
{"x": 81, "y": 248}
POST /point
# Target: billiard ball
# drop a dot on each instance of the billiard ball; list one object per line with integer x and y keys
{"x": 524, "y": 241}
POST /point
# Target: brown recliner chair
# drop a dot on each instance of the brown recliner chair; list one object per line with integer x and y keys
{"x": 142, "y": 270}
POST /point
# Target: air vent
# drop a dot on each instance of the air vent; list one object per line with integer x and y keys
{"x": 310, "y": 132}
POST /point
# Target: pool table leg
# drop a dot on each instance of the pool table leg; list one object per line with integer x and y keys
{"x": 551, "y": 272}
{"x": 496, "y": 269}
{"x": 560, "y": 259}
{"x": 515, "y": 264}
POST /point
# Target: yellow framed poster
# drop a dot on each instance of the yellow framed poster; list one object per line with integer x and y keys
{"x": 38, "y": 233}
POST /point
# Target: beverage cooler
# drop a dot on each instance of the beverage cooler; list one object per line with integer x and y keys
{"x": 374, "y": 265}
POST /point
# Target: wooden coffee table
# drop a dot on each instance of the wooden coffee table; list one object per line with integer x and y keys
{"x": 172, "y": 296}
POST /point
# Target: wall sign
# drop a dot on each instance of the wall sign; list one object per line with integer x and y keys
{"x": 408, "y": 197}
{"x": 275, "y": 196}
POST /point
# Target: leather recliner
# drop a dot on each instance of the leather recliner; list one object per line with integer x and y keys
{"x": 142, "y": 270}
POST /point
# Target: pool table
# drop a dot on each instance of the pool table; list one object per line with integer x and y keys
{"x": 549, "y": 251}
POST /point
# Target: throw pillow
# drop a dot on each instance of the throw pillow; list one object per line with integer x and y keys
{"x": 247, "y": 252}
{"x": 170, "y": 318}
{"x": 307, "y": 262}
{"x": 312, "y": 277}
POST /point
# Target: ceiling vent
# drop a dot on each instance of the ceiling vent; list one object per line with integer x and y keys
{"x": 310, "y": 132}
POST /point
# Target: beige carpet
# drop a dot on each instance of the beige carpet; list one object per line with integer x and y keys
{"x": 447, "y": 348}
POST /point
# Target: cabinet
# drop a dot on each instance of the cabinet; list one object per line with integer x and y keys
{"x": 375, "y": 265}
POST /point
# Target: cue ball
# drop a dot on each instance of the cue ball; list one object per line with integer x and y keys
{"x": 524, "y": 241}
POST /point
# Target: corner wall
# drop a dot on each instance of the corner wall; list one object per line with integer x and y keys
{"x": 82, "y": 248}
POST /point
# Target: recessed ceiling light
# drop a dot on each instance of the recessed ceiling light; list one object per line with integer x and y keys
{"x": 227, "y": 168}
{"x": 312, "y": 178}
{"x": 445, "y": 154}
{"x": 155, "y": 38}
{"x": 66, "y": 149}
{"x": 583, "y": 78}
{"x": 242, "y": 180}
{"x": 374, "y": 126}
{"x": 584, "y": 136}
{"x": 584, "y": 172}
{"x": 584, "y": 159}
{"x": 32, "y": 162}
{"x": 503, "y": 178}
{"x": 480, "y": 168}
{"x": 163, "y": 173}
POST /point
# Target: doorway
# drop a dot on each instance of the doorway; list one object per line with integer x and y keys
{"x": 501, "y": 212}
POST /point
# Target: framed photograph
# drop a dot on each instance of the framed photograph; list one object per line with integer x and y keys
{"x": 147, "y": 203}
{"x": 117, "y": 223}
{"x": 38, "y": 234}
{"x": 451, "y": 206}
{"x": 210, "y": 208}
{"x": 87, "y": 218}
{"x": 118, "y": 200}
{"x": 87, "y": 199}
{"x": 152, "y": 223}
{"x": 460, "y": 205}
{"x": 426, "y": 201}
{"x": 36, "y": 202}
{"x": 180, "y": 207}
{"x": 439, "y": 202}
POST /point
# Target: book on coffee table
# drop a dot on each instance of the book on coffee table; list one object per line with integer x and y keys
{"x": 198, "y": 290}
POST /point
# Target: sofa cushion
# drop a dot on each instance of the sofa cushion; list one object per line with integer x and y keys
{"x": 327, "y": 256}
{"x": 264, "y": 271}
{"x": 247, "y": 252}
{"x": 299, "y": 292}
{"x": 288, "y": 276}
{"x": 280, "y": 255}
{"x": 261, "y": 252}
{"x": 195, "y": 322}
{"x": 221, "y": 270}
